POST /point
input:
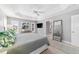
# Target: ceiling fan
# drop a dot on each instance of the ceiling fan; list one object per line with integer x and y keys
{"x": 38, "y": 12}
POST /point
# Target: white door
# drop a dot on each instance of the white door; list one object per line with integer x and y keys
{"x": 33, "y": 27}
{"x": 75, "y": 30}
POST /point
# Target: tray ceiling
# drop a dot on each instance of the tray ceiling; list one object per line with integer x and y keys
{"x": 32, "y": 10}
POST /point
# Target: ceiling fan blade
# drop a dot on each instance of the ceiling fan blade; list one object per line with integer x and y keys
{"x": 40, "y": 11}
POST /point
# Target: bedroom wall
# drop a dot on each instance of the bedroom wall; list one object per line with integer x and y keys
{"x": 66, "y": 18}
{"x": 1, "y": 21}
{"x": 42, "y": 31}
{"x": 1, "y": 24}
{"x": 18, "y": 22}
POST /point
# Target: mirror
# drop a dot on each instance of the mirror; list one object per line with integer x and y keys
{"x": 57, "y": 30}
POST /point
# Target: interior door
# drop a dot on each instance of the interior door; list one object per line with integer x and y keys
{"x": 48, "y": 27}
{"x": 75, "y": 30}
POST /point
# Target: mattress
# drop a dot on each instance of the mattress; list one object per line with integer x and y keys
{"x": 26, "y": 43}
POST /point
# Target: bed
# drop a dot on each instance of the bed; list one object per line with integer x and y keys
{"x": 30, "y": 43}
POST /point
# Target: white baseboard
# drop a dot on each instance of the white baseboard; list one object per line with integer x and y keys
{"x": 70, "y": 43}
{"x": 67, "y": 42}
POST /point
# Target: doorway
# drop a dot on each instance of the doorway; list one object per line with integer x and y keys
{"x": 48, "y": 27}
{"x": 75, "y": 30}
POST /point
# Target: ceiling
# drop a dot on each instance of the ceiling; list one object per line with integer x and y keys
{"x": 37, "y": 11}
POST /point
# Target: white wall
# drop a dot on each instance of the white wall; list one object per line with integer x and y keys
{"x": 66, "y": 18}
{"x": 1, "y": 24}
{"x": 1, "y": 21}
{"x": 18, "y": 22}
{"x": 42, "y": 31}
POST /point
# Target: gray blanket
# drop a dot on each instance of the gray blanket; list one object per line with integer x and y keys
{"x": 28, "y": 43}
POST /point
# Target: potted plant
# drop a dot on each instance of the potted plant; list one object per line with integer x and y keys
{"x": 7, "y": 38}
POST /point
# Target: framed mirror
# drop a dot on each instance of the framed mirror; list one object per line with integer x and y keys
{"x": 57, "y": 30}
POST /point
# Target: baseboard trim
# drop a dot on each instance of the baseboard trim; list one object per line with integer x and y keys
{"x": 70, "y": 43}
{"x": 67, "y": 42}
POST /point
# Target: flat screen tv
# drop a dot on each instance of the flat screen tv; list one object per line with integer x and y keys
{"x": 39, "y": 25}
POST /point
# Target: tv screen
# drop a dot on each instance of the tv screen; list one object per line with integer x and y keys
{"x": 39, "y": 25}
